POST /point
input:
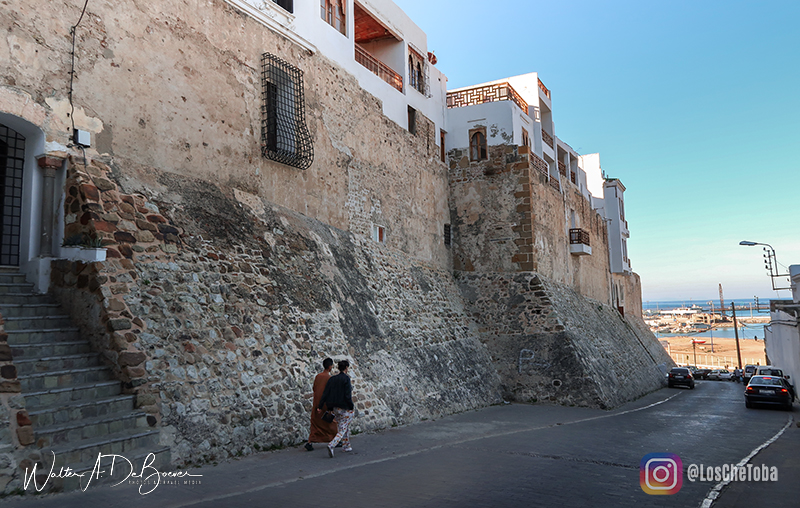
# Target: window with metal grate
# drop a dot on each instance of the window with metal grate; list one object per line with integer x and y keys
{"x": 284, "y": 135}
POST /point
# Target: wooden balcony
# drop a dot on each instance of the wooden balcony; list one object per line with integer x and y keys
{"x": 579, "y": 242}
{"x": 573, "y": 178}
{"x": 379, "y": 68}
{"x": 554, "y": 183}
{"x": 547, "y": 138}
{"x": 562, "y": 168}
{"x": 482, "y": 94}
{"x": 544, "y": 88}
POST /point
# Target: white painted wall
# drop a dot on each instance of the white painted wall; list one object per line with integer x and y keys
{"x": 590, "y": 163}
{"x": 501, "y": 118}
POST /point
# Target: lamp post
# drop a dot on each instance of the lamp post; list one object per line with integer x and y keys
{"x": 770, "y": 261}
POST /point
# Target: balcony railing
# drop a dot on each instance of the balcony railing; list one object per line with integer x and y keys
{"x": 554, "y": 183}
{"x": 544, "y": 88}
{"x": 578, "y": 235}
{"x": 562, "y": 168}
{"x": 379, "y": 68}
{"x": 573, "y": 178}
{"x": 547, "y": 138}
{"x": 481, "y": 94}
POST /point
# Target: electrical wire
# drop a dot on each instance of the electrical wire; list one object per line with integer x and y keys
{"x": 72, "y": 32}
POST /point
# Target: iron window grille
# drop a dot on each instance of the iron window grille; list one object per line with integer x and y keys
{"x": 284, "y": 135}
{"x": 12, "y": 161}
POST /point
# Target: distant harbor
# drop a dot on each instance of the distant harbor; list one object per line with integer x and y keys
{"x": 666, "y": 319}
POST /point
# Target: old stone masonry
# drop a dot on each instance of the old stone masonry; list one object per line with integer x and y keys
{"x": 199, "y": 202}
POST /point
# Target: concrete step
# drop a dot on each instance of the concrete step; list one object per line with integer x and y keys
{"x": 76, "y": 432}
{"x": 22, "y": 352}
{"x": 57, "y": 363}
{"x": 30, "y": 309}
{"x": 20, "y": 298}
{"x": 40, "y": 399}
{"x": 74, "y": 411}
{"x": 156, "y": 457}
{"x": 63, "y": 378}
{"x": 12, "y": 278}
{"x": 15, "y": 287}
{"x": 38, "y": 322}
{"x": 43, "y": 336}
{"x": 86, "y": 450}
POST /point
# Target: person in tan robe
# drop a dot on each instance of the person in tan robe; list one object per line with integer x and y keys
{"x": 321, "y": 431}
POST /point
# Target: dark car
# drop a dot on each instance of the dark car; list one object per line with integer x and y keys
{"x": 680, "y": 376}
{"x": 698, "y": 373}
{"x": 768, "y": 390}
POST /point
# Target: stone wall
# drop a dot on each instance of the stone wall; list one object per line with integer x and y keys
{"x": 221, "y": 329}
{"x": 507, "y": 217}
{"x": 550, "y": 343}
{"x": 158, "y": 85}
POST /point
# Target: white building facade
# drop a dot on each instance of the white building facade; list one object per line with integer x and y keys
{"x": 782, "y": 335}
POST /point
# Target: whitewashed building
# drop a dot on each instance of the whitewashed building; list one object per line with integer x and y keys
{"x": 372, "y": 39}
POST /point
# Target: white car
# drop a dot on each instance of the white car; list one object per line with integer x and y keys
{"x": 720, "y": 374}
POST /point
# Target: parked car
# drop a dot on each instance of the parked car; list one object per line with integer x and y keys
{"x": 769, "y": 370}
{"x": 699, "y": 373}
{"x": 748, "y": 372}
{"x": 720, "y": 375}
{"x": 768, "y": 390}
{"x": 680, "y": 376}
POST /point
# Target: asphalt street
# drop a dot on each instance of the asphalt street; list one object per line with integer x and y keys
{"x": 503, "y": 456}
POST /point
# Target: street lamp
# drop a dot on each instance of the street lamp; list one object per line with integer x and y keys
{"x": 770, "y": 262}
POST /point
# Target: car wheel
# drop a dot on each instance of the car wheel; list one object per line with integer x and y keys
{"x": 670, "y": 385}
{"x": 748, "y": 404}
{"x": 691, "y": 386}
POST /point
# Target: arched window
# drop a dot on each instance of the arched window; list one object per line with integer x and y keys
{"x": 420, "y": 80}
{"x": 477, "y": 145}
{"x": 411, "y": 75}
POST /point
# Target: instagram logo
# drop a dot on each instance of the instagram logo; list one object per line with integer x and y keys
{"x": 661, "y": 474}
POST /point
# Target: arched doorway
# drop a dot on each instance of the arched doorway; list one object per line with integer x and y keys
{"x": 12, "y": 163}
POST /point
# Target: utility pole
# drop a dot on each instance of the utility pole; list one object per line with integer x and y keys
{"x": 736, "y": 332}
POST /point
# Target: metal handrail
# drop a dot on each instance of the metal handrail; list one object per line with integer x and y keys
{"x": 578, "y": 235}
{"x": 379, "y": 68}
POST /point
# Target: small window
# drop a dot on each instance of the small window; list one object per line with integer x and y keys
{"x": 334, "y": 12}
{"x": 412, "y": 120}
{"x": 447, "y": 237}
{"x": 441, "y": 145}
{"x": 418, "y": 72}
{"x": 525, "y": 139}
{"x": 378, "y": 233}
{"x": 477, "y": 144}
{"x": 286, "y": 4}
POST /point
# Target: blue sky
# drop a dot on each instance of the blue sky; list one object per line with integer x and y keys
{"x": 694, "y": 105}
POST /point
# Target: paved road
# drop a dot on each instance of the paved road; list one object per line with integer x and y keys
{"x": 502, "y": 456}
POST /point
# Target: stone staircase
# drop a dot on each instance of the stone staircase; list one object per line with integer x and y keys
{"x": 75, "y": 404}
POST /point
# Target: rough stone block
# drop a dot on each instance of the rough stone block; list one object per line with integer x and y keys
{"x": 131, "y": 358}
{"x": 25, "y": 435}
{"x": 8, "y": 372}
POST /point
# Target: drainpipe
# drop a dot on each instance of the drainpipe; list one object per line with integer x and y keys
{"x": 49, "y": 164}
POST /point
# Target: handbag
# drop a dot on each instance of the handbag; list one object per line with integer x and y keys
{"x": 327, "y": 416}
